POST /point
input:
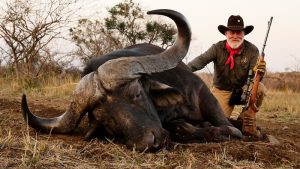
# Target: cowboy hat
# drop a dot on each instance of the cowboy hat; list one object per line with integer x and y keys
{"x": 235, "y": 22}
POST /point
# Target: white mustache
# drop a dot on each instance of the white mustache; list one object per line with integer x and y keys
{"x": 234, "y": 43}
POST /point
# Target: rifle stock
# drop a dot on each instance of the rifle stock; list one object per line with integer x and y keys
{"x": 250, "y": 109}
{"x": 249, "y": 118}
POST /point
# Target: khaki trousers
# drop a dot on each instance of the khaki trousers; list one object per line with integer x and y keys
{"x": 223, "y": 98}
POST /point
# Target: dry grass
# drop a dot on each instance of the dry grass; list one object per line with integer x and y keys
{"x": 7, "y": 139}
{"x": 282, "y": 105}
{"x": 48, "y": 87}
{"x": 34, "y": 153}
{"x": 23, "y": 147}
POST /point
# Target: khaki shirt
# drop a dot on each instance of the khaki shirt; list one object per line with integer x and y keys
{"x": 224, "y": 78}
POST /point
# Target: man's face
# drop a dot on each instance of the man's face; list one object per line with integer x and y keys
{"x": 235, "y": 38}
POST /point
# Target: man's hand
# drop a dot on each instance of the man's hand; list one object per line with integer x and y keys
{"x": 260, "y": 67}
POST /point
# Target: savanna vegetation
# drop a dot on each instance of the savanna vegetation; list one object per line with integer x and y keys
{"x": 29, "y": 65}
{"x": 23, "y": 147}
{"x": 31, "y": 33}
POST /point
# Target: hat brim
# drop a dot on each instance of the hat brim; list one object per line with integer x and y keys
{"x": 247, "y": 29}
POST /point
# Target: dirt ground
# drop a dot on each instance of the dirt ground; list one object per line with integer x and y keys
{"x": 70, "y": 151}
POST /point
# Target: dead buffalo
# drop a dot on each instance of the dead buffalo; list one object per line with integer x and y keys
{"x": 143, "y": 95}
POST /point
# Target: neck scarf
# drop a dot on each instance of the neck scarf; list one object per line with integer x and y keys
{"x": 232, "y": 52}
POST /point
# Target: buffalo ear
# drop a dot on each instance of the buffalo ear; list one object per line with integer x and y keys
{"x": 164, "y": 96}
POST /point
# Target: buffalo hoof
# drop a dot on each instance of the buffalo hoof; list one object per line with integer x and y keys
{"x": 227, "y": 133}
{"x": 91, "y": 133}
{"x": 236, "y": 133}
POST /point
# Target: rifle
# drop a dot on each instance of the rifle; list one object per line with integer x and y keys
{"x": 249, "y": 96}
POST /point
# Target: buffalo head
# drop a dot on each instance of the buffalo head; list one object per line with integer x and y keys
{"x": 117, "y": 93}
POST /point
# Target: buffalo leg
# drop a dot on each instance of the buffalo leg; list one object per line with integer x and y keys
{"x": 91, "y": 117}
{"x": 185, "y": 132}
{"x": 95, "y": 131}
{"x": 210, "y": 108}
{"x": 94, "y": 128}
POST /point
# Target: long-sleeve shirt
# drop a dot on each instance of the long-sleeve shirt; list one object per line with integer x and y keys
{"x": 224, "y": 78}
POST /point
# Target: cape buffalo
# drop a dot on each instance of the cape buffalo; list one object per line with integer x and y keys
{"x": 144, "y": 96}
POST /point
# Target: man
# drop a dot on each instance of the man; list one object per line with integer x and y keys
{"x": 232, "y": 58}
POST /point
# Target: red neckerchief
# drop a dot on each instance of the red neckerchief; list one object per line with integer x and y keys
{"x": 232, "y": 52}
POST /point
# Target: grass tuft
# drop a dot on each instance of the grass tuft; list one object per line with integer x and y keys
{"x": 6, "y": 138}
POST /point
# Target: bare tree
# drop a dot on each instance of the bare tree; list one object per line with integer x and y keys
{"x": 27, "y": 28}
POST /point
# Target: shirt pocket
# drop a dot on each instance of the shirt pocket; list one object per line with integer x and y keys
{"x": 244, "y": 62}
{"x": 242, "y": 69}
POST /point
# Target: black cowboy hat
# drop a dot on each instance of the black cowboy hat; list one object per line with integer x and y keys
{"x": 235, "y": 22}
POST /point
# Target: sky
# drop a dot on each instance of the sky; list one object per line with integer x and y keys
{"x": 282, "y": 52}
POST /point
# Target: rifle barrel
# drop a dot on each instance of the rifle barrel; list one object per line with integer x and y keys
{"x": 266, "y": 38}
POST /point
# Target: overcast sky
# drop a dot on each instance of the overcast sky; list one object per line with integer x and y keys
{"x": 283, "y": 45}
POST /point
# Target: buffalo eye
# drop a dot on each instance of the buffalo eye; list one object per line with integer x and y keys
{"x": 138, "y": 95}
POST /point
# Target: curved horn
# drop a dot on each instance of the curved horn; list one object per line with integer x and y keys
{"x": 119, "y": 71}
{"x": 88, "y": 92}
{"x": 171, "y": 57}
{"x": 90, "y": 89}
{"x": 39, "y": 123}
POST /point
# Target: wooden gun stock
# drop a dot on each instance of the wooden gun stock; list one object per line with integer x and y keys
{"x": 249, "y": 111}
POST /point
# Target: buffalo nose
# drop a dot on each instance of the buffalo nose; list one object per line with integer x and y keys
{"x": 149, "y": 139}
{"x": 156, "y": 139}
